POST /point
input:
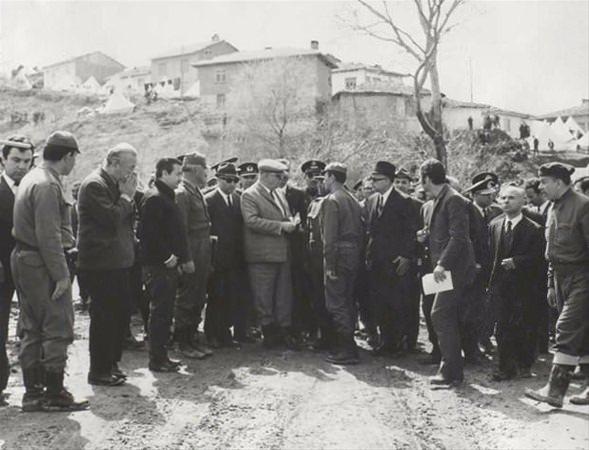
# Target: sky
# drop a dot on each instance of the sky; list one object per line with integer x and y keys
{"x": 527, "y": 56}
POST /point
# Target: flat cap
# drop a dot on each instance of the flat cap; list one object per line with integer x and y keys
{"x": 556, "y": 170}
{"x": 402, "y": 173}
{"x": 312, "y": 166}
{"x": 193, "y": 159}
{"x": 384, "y": 168}
{"x": 227, "y": 170}
{"x": 271, "y": 165}
{"x": 63, "y": 140}
{"x": 247, "y": 168}
{"x": 336, "y": 167}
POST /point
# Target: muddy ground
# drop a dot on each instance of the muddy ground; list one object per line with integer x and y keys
{"x": 254, "y": 398}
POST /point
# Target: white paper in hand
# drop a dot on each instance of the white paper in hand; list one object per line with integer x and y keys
{"x": 430, "y": 286}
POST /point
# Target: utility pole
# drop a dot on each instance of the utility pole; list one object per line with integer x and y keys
{"x": 470, "y": 76}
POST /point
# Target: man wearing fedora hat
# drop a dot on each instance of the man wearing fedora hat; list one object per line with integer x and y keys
{"x": 392, "y": 249}
{"x": 227, "y": 305}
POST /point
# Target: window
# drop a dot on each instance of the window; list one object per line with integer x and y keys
{"x": 220, "y": 77}
{"x": 220, "y": 100}
{"x": 351, "y": 83}
{"x": 183, "y": 66}
{"x": 162, "y": 69}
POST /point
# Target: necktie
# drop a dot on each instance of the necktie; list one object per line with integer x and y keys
{"x": 379, "y": 205}
{"x": 229, "y": 201}
{"x": 486, "y": 215}
{"x": 507, "y": 239}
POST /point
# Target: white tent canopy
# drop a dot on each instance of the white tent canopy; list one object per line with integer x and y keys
{"x": 561, "y": 131}
{"x": 90, "y": 86}
{"x": 117, "y": 104}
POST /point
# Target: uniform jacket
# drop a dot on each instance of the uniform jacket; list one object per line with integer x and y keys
{"x": 227, "y": 225}
{"x": 526, "y": 252}
{"x": 42, "y": 219}
{"x": 264, "y": 240}
{"x": 449, "y": 236}
{"x": 161, "y": 231}
{"x": 193, "y": 208}
{"x": 105, "y": 232}
{"x": 6, "y": 239}
{"x": 393, "y": 233}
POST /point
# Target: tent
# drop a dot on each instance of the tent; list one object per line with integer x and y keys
{"x": 561, "y": 131}
{"x": 90, "y": 86}
{"x": 193, "y": 91}
{"x": 574, "y": 127}
{"x": 583, "y": 142}
{"x": 117, "y": 104}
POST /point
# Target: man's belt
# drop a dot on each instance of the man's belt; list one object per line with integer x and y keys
{"x": 20, "y": 245}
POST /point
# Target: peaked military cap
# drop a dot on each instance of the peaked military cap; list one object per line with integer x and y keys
{"x": 248, "y": 168}
{"x": 227, "y": 170}
{"x": 312, "y": 166}
{"x": 231, "y": 160}
{"x": 484, "y": 183}
{"x": 402, "y": 173}
{"x": 358, "y": 184}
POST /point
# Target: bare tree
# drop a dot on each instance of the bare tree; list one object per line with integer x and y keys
{"x": 434, "y": 20}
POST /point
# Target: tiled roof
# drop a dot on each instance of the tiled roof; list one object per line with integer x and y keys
{"x": 579, "y": 110}
{"x": 349, "y": 66}
{"x": 81, "y": 57}
{"x": 269, "y": 53}
{"x": 188, "y": 49}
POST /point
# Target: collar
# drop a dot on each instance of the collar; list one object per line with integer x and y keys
{"x": 108, "y": 177}
{"x": 568, "y": 193}
{"x": 11, "y": 183}
{"x": 544, "y": 206}
{"x": 266, "y": 188}
{"x": 164, "y": 189}
{"x": 225, "y": 196}
{"x": 386, "y": 195}
{"x": 51, "y": 171}
{"x": 513, "y": 221}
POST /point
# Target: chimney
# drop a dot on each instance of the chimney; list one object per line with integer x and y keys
{"x": 215, "y": 37}
{"x": 314, "y": 45}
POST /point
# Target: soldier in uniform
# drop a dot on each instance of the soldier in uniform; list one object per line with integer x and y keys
{"x": 342, "y": 235}
{"x": 248, "y": 174}
{"x": 17, "y": 155}
{"x": 567, "y": 251}
{"x": 192, "y": 287}
{"x": 43, "y": 234}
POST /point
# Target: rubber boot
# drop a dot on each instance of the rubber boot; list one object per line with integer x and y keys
{"x": 558, "y": 383}
{"x": 32, "y": 399}
{"x": 583, "y": 397}
{"x": 57, "y": 397}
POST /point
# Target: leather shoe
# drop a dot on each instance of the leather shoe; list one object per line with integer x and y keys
{"x": 501, "y": 376}
{"x": 439, "y": 380}
{"x": 117, "y": 372}
{"x": 166, "y": 366}
{"x": 105, "y": 380}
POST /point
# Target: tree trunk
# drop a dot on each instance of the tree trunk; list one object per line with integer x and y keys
{"x": 436, "y": 114}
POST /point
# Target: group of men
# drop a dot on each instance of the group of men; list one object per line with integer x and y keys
{"x": 257, "y": 256}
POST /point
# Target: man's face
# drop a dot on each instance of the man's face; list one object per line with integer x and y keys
{"x": 284, "y": 178}
{"x": 483, "y": 200}
{"x": 126, "y": 165}
{"x": 368, "y": 188}
{"x": 551, "y": 187}
{"x": 70, "y": 162}
{"x": 534, "y": 198}
{"x": 247, "y": 180}
{"x": 380, "y": 183}
{"x": 17, "y": 163}
{"x": 329, "y": 181}
{"x": 172, "y": 179}
{"x": 512, "y": 200}
{"x": 403, "y": 185}
{"x": 272, "y": 180}
{"x": 359, "y": 193}
{"x": 227, "y": 185}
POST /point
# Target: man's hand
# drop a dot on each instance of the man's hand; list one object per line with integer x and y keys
{"x": 331, "y": 274}
{"x": 61, "y": 288}
{"x": 188, "y": 267}
{"x": 403, "y": 265}
{"x": 508, "y": 264}
{"x": 128, "y": 186}
{"x": 439, "y": 274}
{"x": 288, "y": 227}
{"x": 171, "y": 262}
{"x": 551, "y": 297}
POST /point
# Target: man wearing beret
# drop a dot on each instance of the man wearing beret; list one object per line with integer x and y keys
{"x": 567, "y": 251}
{"x": 341, "y": 233}
{"x": 192, "y": 286}
{"x": 106, "y": 243}
{"x": 451, "y": 250}
{"x": 267, "y": 226}
{"x": 391, "y": 251}
{"x": 43, "y": 234}
{"x": 17, "y": 156}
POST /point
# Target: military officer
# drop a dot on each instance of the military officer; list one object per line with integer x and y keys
{"x": 248, "y": 174}
{"x": 43, "y": 234}
{"x": 342, "y": 234}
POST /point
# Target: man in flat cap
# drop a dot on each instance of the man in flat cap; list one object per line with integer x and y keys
{"x": 342, "y": 233}
{"x": 16, "y": 157}
{"x": 43, "y": 234}
{"x": 248, "y": 174}
{"x": 106, "y": 242}
{"x": 267, "y": 226}
{"x": 227, "y": 305}
{"x": 391, "y": 251}
{"x": 567, "y": 251}
{"x": 192, "y": 287}
{"x": 451, "y": 250}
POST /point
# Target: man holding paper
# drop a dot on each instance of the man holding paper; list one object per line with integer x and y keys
{"x": 451, "y": 250}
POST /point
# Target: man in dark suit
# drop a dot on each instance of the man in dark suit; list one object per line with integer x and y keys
{"x": 516, "y": 246}
{"x": 17, "y": 156}
{"x": 267, "y": 226}
{"x": 391, "y": 250}
{"x": 226, "y": 306}
{"x": 451, "y": 250}
{"x": 106, "y": 244}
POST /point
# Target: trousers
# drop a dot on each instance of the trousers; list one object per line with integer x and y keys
{"x": 272, "y": 290}
{"x": 6, "y": 293}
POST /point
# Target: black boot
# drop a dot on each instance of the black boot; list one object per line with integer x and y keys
{"x": 34, "y": 390}
{"x": 57, "y": 397}
{"x": 558, "y": 383}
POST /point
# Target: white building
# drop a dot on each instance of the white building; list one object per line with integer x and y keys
{"x": 349, "y": 76}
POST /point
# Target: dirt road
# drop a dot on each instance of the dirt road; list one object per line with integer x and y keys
{"x": 252, "y": 398}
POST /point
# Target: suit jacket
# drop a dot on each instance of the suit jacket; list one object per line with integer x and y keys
{"x": 227, "y": 225}
{"x": 393, "y": 233}
{"x": 6, "y": 222}
{"x": 106, "y": 239}
{"x": 449, "y": 236}
{"x": 479, "y": 235}
{"x": 298, "y": 202}
{"x": 264, "y": 240}
{"x": 527, "y": 254}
